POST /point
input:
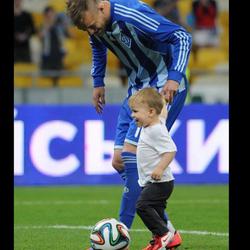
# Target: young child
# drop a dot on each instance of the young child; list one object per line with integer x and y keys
{"x": 155, "y": 151}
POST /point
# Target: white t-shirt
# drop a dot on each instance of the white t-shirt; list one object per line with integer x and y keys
{"x": 154, "y": 141}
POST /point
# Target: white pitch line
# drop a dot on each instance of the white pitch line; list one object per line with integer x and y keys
{"x": 106, "y": 202}
{"x": 203, "y": 233}
{"x": 74, "y": 202}
{"x": 198, "y": 201}
{"x": 133, "y": 230}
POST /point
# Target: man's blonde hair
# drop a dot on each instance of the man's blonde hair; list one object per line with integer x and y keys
{"x": 75, "y": 9}
{"x": 150, "y": 97}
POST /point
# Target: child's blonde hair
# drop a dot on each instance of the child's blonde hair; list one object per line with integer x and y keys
{"x": 150, "y": 97}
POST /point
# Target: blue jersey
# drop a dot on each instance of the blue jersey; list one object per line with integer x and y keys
{"x": 151, "y": 48}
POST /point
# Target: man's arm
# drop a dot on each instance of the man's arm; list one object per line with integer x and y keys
{"x": 162, "y": 33}
{"x": 181, "y": 42}
{"x": 99, "y": 99}
{"x": 169, "y": 90}
{"x": 99, "y": 60}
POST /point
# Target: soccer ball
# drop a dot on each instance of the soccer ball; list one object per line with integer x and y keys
{"x": 109, "y": 234}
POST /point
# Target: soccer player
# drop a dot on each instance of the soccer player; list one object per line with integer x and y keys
{"x": 155, "y": 151}
{"x": 154, "y": 52}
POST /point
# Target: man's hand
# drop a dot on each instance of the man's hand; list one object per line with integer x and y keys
{"x": 99, "y": 99}
{"x": 169, "y": 90}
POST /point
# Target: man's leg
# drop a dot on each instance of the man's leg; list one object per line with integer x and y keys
{"x": 117, "y": 163}
{"x": 132, "y": 189}
{"x": 122, "y": 127}
{"x": 124, "y": 161}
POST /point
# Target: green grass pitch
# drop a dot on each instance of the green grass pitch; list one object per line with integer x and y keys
{"x": 60, "y": 218}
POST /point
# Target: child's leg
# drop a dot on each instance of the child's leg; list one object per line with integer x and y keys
{"x": 154, "y": 195}
{"x": 127, "y": 131}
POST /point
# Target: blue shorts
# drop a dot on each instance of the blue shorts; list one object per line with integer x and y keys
{"x": 127, "y": 130}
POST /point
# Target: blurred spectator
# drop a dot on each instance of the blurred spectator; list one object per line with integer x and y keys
{"x": 169, "y": 9}
{"x": 23, "y": 30}
{"x": 64, "y": 22}
{"x": 204, "y": 24}
{"x": 52, "y": 35}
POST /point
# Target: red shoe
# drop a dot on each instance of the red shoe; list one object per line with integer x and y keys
{"x": 175, "y": 242}
{"x": 162, "y": 241}
{"x": 150, "y": 245}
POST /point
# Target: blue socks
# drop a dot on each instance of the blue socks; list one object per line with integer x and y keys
{"x": 131, "y": 191}
{"x": 122, "y": 174}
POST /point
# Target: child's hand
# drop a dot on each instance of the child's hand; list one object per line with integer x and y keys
{"x": 164, "y": 112}
{"x": 157, "y": 174}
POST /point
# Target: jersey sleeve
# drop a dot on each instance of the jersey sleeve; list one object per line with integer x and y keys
{"x": 162, "y": 31}
{"x": 99, "y": 60}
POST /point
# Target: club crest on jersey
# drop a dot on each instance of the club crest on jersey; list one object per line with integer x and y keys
{"x": 126, "y": 40}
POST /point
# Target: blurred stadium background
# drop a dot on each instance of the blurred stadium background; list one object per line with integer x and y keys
{"x": 208, "y": 74}
{"x": 60, "y": 140}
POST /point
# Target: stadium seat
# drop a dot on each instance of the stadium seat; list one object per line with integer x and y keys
{"x": 76, "y": 33}
{"x": 87, "y": 52}
{"x": 70, "y": 81}
{"x": 63, "y": 81}
{"x": 149, "y": 2}
{"x": 59, "y": 5}
{"x": 38, "y": 19}
{"x": 184, "y": 7}
{"x": 75, "y": 53}
{"x": 22, "y": 81}
{"x": 223, "y": 22}
{"x": 23, "y": 74}
{"x": 112, "y": 62}
{"x": 43, "y": 82}
{"x": 208, "y": 58}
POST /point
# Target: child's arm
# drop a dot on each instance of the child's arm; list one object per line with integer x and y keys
{"x": 166, "y": 159}
{"x": 164, "y": 112}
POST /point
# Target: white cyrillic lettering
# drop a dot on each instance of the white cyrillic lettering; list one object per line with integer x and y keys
{"x": 39, "y": 149}
{"x": 175, "y": 166}
{"x": 95, "y": 149}
{"x": 201, "y": 151}
{"x": 18, "y": 146}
